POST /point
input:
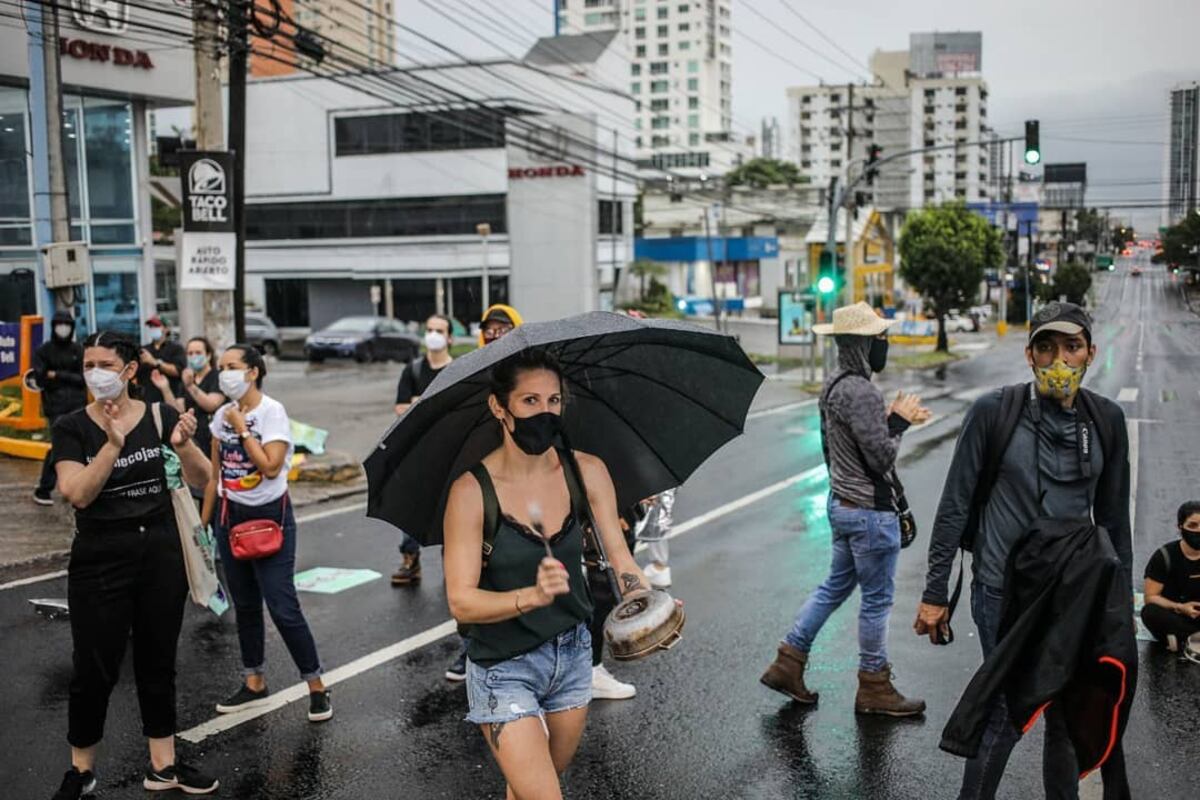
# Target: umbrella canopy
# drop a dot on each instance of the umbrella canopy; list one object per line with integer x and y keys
{"x": 652, "y": 398}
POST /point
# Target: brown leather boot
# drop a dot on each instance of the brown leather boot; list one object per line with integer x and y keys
{"x": 408, "y": 572}
{"x": 786, "y": 675}
{"x": 877, "y": 695}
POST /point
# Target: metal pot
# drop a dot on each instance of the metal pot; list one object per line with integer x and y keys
{"x": 643, "y": 623}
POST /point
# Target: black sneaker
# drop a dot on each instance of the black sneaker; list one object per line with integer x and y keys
{"x": 319, "y": 706}
{"x": 182, "y": 777}
{"x": 243, "y": 698}
{"x": 458, "y": 670}
{"x": 75, "y": 785}
{"x": 42, "y": 497}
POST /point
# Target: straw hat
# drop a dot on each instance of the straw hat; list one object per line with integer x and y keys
{"x": 856, "y": 320}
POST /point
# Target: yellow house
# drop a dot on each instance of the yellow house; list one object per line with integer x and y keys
{"x": 874, "y": 278}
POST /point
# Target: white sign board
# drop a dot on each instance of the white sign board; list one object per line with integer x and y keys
{"x": 207, "y": 261}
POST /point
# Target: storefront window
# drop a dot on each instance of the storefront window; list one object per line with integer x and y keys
{"x": 71, "y": 142}
{"x": 116, "y": 303}
{"x": 108, "y": 138}
{"x": 14, "y": 169}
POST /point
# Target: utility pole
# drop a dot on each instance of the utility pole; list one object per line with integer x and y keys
{"x": 712, "y": 268}
{"x": 60, "y": 220}
{"x": 831, "y": 251}
{"x": 218, "y": 324}
{"x": 848, "y": 281}
{"x": 239, "y": 47}
{"x": 484, "y": 230}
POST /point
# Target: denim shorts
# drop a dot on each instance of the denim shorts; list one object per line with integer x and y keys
{"x": 555, "y": 676}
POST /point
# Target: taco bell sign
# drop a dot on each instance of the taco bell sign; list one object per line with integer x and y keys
{"x": 208, "y": 252}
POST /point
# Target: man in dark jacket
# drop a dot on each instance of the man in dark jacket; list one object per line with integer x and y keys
{"x": 163, "y": 355}
{"x": 58, "y": 365}
{"x": 1056, "y": 463}
{"x": 861, "y": 438}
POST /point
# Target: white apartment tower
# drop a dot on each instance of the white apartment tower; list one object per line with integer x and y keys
{"x": 943, "y": 105}
{"x": 1181, "y": 165}
{"x": 680, "y": 75}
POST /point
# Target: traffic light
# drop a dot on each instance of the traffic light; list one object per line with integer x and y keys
{"x": 873, "y": 153}
{"x": 827, "y": 278}
{"x": 1033, "y": 148}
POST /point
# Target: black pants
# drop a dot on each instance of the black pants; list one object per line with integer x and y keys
{"x": 49, "y": 477}
{"x": 603, "y": 602}
{"x": 124, "y": 577}
{"x": 1163, "y": 622}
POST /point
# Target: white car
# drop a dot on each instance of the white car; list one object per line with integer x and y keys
{"x": 957, "y": 323}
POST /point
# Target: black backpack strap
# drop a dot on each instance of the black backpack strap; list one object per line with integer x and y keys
{"x": 491, "y": 508}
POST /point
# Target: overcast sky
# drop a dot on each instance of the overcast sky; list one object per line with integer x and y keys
{"x": 1095, "y": 73}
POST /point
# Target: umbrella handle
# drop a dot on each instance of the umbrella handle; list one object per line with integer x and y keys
{"x": 567, "y": 456}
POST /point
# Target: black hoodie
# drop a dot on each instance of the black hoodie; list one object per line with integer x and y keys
{"x": 66, "y": 391}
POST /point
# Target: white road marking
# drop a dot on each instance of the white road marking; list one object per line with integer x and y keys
{"x": 935, "y": 419}
{"x": 358, "y": 666}
{"x": 300, "y": 690}
{"x": 1131, "y": 425}
{"x": 1141, "y": 345}
{"x": 49, "y": 576}
{"x": 1128, "y": 394}
{"x": 971, "y": 395}
{"x": 767, "y": 412}
{"x": 330, "y": 512}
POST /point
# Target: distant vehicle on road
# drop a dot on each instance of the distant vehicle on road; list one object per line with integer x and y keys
{"x": 363, "y": 339}
{"x": 1135, "y": 271}
{"x": 262, "y": 333}
{"x": 958, "y": 323}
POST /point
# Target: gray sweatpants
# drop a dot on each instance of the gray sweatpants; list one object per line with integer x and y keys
{"x": 657, "y": 526}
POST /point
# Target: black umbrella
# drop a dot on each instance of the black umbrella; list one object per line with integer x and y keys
{"x": 652, "y": 398}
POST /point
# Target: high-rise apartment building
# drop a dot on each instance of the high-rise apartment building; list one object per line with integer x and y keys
{"x": 931, "y": 96}
{"x": 358, "y": 32}
{"x": 680, "y": 74}
{"x": 1181, "y": 165}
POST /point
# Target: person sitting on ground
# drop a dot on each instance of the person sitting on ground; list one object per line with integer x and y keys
{"x": 1172, "y": 609}
{"x": 414, "y": 380}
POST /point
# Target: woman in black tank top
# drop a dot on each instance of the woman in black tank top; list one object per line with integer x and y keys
{"x": 529, "y": 672}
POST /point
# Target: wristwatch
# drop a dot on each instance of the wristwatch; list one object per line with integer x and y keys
{"x": 244, "y": 435}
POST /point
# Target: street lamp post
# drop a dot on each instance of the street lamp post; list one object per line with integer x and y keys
{"x": 484, "y": 230}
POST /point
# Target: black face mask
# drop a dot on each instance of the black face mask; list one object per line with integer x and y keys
{"x": 535, "y": 435}
{"x": 877, "y": 357}
{"x": 1192, "y": 538}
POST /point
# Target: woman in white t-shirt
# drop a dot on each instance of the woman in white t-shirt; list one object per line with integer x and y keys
{"x": 251, "y": 450}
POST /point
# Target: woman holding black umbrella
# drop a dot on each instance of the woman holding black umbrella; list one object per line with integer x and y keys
{"x": 529, "y": 674}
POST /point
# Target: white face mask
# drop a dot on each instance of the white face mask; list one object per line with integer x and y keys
{"x": 63, "y": 331}
{"x": 156, "y": 334}
{"x": 233, "y": 383}
{"x": 435, "y": 340}
{"x": 104, "y": 384}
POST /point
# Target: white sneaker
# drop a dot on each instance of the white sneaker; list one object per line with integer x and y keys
{"x": 659, "y": 577}
{"x": 606, "y": 687}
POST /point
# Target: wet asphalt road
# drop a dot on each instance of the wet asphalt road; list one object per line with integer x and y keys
{"x": 701, "y": 725}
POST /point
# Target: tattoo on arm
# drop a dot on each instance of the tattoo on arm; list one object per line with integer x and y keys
{"x": 630, "y": 581}
{"x": 494, "y": 730}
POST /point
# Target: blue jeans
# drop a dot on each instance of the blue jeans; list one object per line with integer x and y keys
{"x": 555, "y": 676}
{"x": 269, "y": 580}
{"x": 866, "y": 545}
{"x": 1060, "y": 778}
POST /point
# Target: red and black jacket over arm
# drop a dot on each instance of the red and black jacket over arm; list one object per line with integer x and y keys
{"x": 1066, "y": 637}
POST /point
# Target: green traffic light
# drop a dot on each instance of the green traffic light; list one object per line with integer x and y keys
{"x": 825, "y": 285}
{"x": 1032, "y": 156}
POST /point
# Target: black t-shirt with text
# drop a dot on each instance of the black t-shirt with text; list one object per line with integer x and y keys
{"x": 137, "y": 486}
{"x": 415, "y": 379}
{"x": 1180, "y": 578}
{"x": 170, "y": 352}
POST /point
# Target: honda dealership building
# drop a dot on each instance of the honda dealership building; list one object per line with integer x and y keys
{"x": 113, "y": 72}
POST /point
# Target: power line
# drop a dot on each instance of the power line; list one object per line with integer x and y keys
{"x": 821, "y": 33}
{"x": 800, "y": 41}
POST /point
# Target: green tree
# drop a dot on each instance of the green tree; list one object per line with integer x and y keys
{"x": 760, "y": 173}
{"x": 1181, "y": 244}
{"x": 1072, "y": 279}
{"x": 944, "y": 253}
{"x": 1089, "y": 225}
{"x": 643, "y": 269}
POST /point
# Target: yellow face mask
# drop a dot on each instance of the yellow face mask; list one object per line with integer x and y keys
{"x": 1058, "y": 380}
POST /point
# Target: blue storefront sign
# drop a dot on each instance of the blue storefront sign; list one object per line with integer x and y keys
{"x": 10, "y": 349}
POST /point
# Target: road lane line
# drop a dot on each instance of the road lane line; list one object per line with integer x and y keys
{"x": 1141, "y": 345}
{"x": 330, "y": 512}
{"x": 49, "y": 576}
{"x": 1128, "y": 394}
{"x": 1131, "y": 425}
{"x": 299, "y": 691}
{"x": 971, "y": 395}
{"x": 767, "y": 412}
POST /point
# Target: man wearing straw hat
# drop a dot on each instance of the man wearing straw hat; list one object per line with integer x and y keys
{"x": 860, "y": 439}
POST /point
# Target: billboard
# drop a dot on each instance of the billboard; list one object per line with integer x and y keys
{"x": 797, "y": 312}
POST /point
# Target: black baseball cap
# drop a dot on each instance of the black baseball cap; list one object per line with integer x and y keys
{"x": 1067, "y": 318}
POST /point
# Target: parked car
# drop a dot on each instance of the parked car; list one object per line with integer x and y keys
{"x": 262, "y": 333}
{"x": 1135, "y": 271}
{"x": 363, "y": 339}
{"x": 957, "y": 323}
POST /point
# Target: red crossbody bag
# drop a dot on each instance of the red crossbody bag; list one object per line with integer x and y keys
{"x": 256, "y": 538}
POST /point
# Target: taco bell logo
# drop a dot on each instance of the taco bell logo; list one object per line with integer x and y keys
{"x": 102, "y": 16}
{"x": 206, "y": 192}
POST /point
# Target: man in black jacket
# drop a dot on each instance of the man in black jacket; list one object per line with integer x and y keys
{"x": 1066, "y": 459}
{"x": 58, "y": 365}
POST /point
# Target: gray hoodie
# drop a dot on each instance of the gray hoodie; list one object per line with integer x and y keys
{"x": 860, "y": 440}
